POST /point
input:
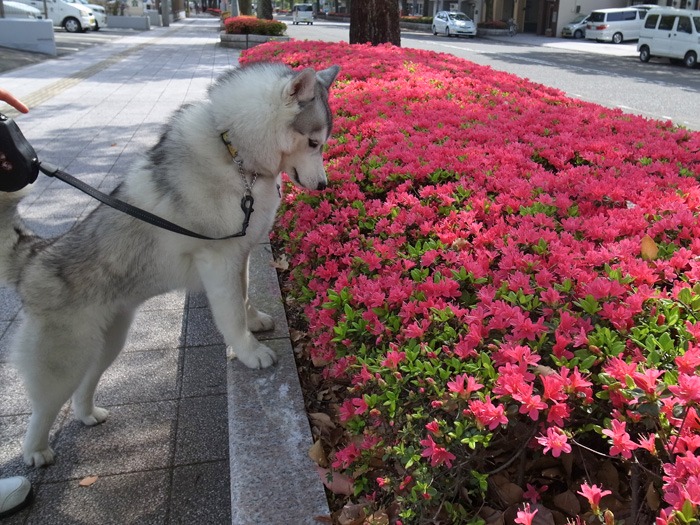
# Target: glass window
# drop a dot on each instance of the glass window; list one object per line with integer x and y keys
{"x": 597, "y": 17}
{"x": 650, "y": 22}
{"x": 666, "y": 23}
{"x": 696, "y": 19}
{"x": 616, "y": 16}
{"x": 631, "y": 15}
{"x": 684, "y": 25}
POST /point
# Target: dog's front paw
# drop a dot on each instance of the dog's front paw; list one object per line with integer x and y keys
{"x": 260, "y": 357}
{"x": 39, "y": 458}
{"x": 259, "y": 321}
{"x": 98, "y": 415}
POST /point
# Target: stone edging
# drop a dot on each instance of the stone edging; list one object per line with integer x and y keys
{"x": 247, "y": 41}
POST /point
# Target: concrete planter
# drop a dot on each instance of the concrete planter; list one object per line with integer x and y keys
{"x": 28, "y": 35}
{"x": 480, "y": 31}
{"x": 141, "y": 23}
{"x": 247, "y": 41}
{"x": 412, "y": 26}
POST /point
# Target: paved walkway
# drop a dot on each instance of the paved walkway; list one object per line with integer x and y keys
{"x": 191, "y": 438}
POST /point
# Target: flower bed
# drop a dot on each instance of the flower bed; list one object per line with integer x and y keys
{"x": 250, "y": 25}
{"x": 495, "y": 299}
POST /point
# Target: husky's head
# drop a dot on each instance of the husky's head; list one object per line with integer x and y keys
{"x": 276, "y": 119}
{"x": 307, "y": 90}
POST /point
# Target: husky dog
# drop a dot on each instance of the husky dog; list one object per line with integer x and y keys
{"x": 80, "y": 290}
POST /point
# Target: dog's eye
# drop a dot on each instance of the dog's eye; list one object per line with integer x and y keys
{"x": 313, "y": 143}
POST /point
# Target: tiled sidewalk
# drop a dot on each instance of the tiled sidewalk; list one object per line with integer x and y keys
{"x": 163, "y": 456}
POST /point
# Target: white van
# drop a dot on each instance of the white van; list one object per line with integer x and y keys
{"x": 75, "y": 18}
{"x": 303, "y": 13}
{"x": 671, "y": 33}
{"x": 615, "y": 25}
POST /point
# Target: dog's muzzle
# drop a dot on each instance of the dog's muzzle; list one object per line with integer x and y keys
{"x": 295, "y": 176}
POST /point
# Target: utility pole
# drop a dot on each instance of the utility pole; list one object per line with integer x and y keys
{"x": 165, "y": 12}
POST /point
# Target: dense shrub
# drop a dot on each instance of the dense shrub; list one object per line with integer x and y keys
{"x": 417, "y": 19}
{"x": 249, "y": 25}
{"x": 499, "y": 298}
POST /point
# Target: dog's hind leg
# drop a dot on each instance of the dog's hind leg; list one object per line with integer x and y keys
{"x": 52, "y": 358}
{"x": 84, "y": 397}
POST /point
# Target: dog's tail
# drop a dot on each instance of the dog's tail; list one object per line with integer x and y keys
{"x": 17, "y": 243}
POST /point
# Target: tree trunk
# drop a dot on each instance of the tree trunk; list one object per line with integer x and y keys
{"x": 265, "y": 9}
{"x": 244, "y": 7}
{"x": 375, "y": 21}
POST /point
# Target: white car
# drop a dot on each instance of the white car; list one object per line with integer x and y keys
{"x": 18, "y": 10}
{"x": 454, "y": 23}
{"x": 97, "y": 11}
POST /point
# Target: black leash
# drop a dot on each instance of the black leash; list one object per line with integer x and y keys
{"x": 138, "y": 213}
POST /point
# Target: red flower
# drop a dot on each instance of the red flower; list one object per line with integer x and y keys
{"x": 525, "y": 516}
{"x": 621, "y": 442}
{"x": 437, "y": 454}
{"x": 593, "y": 494}
{"x": 556, "y": 441}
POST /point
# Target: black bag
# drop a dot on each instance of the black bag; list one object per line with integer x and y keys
{"x": 19, "y": 164}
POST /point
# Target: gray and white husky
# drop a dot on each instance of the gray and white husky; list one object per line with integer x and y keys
{"x": 80, "y": 290}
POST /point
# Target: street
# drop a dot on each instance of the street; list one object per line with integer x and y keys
{"x": 607, "y": 74}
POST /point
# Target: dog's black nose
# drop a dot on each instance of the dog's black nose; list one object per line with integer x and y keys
{"x": 321, "y": 186}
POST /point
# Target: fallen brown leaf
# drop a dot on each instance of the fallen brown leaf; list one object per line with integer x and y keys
{"x": 317, "y": 454}
{"x": 322, "y": 421}
{"x": 281, "y": 264}
{"x": 336, "y": 482}
{"x": 652, "y": 498}
{"x": 352, "y": 514}
{"x": 88, "y": 481}
{"x": 649, "y": 248}
{"x": 567, "y": 502}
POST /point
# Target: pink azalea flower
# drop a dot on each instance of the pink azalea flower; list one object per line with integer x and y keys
{"x": 621, "y": 442}
{"x": 593, "y": 494}
{"x": 556, "y": 441}
{"x": 463, "y": 385}
{"x": 525, "y": 516}
{"x": 437, "y": 454}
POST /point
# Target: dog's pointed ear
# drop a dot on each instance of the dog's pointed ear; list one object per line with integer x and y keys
{"x": 302, "y": 86}
{"x": 327, "y": 76}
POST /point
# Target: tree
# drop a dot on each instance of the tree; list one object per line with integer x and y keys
{"x": 245, "y": 7}
{"x": 265, "y": 9}
{"x": 375, "y": 21}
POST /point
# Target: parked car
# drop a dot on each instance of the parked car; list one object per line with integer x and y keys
{"x": 615, "y": 24}
{"x": 98, "y": 11}
{"x": 453, "y": 23}
{"x": 303, "y": 13}
{"x": 74, "y": 18}
{"x": 576, "y": 28}
{"x": 671, "y": 33}
{"x": 19, "y": 10}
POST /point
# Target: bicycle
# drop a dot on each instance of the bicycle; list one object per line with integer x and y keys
{"x": 512, "y": 27}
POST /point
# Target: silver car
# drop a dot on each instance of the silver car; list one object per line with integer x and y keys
{"x": 576, "y": 28}
{"x": 453, "y": 23}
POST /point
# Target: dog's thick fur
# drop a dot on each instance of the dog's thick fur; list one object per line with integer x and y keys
{"x": 80, "y": 290}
